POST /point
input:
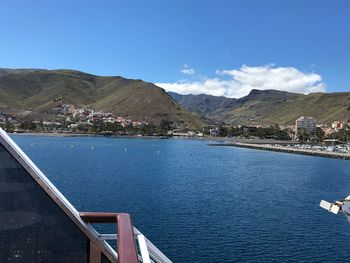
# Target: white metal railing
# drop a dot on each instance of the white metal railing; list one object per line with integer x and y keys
{"x": 148, "y": 253}
{"x": 143, "y": 249}
{"x": 155, "y": 254}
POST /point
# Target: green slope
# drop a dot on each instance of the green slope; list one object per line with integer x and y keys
{"x": 325, "y": 107}
{"x": 39, "y": 91}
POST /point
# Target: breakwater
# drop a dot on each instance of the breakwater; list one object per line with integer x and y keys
{"x": 286, "y": 149}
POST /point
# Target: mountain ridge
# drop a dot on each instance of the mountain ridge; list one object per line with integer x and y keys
{"x": 271, "y": 107}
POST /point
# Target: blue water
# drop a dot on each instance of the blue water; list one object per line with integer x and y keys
{"x": 205, "y": 204}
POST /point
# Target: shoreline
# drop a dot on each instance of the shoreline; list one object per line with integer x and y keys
{"x": 212, "y": 141}
{"x": 334, "y": 155}
{"x": 58, "y": 134}
{"x": 54, "y": 134}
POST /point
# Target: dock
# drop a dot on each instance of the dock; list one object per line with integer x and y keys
{"x": 265, "y": 147}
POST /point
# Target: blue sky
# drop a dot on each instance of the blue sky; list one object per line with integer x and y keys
{"x": 222, "y": 47}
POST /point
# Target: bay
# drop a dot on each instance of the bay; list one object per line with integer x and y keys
{"x": 205, "y": 204}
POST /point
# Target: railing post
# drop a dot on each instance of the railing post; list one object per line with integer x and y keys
{"x": 126, "y": 241}
{"x": 125, "y": 235}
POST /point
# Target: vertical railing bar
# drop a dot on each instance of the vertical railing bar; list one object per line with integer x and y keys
{"x": 143, "y": 249}
{"x": 153, "y": 250}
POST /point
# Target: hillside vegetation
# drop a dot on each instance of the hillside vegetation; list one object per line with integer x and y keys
{"x": 269, "y": 107}
{"x": 32, "y": 94}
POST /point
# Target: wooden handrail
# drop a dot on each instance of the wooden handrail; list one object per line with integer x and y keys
{"x": 125, "y": 239}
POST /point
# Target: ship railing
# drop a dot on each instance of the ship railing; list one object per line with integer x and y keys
{"x": 132, "y": 245}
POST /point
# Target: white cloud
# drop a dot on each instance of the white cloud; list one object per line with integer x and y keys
{"x": 187, "y": 70}
{"x": 242, "y": 81}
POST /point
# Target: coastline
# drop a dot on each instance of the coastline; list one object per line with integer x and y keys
{"x": 58, "y": 134}
{"x": 54, "y": 134}
{"x": 334, "y": 155}
{"x": 258, "y": 144}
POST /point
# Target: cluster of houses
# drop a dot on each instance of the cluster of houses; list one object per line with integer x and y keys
{"x": 335, "y": 127}
{"x": 88, "y": 116}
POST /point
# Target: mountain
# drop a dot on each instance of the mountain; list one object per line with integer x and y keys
{"x": 205, "y": 105}
{"x": 269, "y": 107}
{"x": 34, "y": 93}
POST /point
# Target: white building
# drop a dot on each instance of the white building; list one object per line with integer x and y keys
{"x": 338, "y": 125}
{"x": 305, "y": 123}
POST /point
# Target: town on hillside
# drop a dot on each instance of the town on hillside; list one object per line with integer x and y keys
{"x": 306, "y": 132}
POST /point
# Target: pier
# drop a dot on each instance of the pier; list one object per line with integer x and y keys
{"x": 286, "y": 149}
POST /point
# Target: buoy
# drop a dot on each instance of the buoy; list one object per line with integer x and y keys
{"x": 125, "y": 150}
{"x": 158, "y": 152}
{"x": 92, "y": 147}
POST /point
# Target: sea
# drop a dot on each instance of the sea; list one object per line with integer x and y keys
{"x": 199, "y": 203}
